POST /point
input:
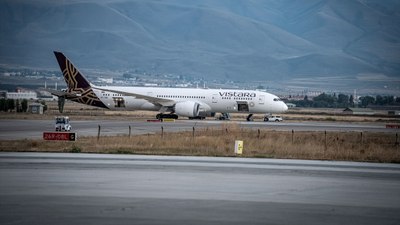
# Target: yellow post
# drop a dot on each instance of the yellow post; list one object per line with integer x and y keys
{"x": 238, "y": 147}
{"x": 168, "y": 120}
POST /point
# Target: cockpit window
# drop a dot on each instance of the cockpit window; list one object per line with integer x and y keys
{"x": 277, "y": 100}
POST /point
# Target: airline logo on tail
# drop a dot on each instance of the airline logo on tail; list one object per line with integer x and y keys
{"x": 78, "y": 86}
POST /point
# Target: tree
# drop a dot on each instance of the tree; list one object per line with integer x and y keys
{"x": 379, "y": 100}
{"x": 320, "y": 104}
{"x": 3, "y": 104}
{"x": 24, "y": 105}
{"x": 127, "y": 75}
{"x": 324, "y": 100}
{"x": 366, "y": 100}
{"x": 343, "y": 100}
{"x": 389, "y": 100}
{"x": 384, "y": 100}
{"x": 18, "y": 106}
{"x": 351, "y": 101}
{"x": 10, "y": 104}
{"x": 44, "y": 105}
{"x": 301, "y": 103}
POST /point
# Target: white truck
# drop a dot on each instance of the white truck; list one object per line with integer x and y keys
{"x": 62, "y": 123}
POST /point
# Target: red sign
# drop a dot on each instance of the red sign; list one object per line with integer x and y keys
{"x": 59, "y": 136}
{"x": 394, "y": 126}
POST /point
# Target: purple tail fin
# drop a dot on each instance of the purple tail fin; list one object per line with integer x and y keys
{"x": 77, "y": 83}
{"x": 71, "y": 74}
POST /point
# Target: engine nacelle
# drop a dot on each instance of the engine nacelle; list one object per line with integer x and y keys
{"x": 188, "y": 108}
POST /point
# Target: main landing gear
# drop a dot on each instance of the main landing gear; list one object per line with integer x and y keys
{"x": 250, "y": 117}
{"x": 166, "y": 116}
{"x": 197, "y": 118}
{"x": 224, "y": 116}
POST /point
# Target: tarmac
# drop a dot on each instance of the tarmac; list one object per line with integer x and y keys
{"x": 33, "y": 129}
{"x": 62, "y": 188}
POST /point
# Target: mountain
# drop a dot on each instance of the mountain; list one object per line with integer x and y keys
{"x": 252, "y": 40}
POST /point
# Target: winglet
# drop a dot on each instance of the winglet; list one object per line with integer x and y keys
{"x": 72, "y": 76}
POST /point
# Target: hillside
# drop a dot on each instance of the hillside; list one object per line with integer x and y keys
{"x": 225, "y": 39}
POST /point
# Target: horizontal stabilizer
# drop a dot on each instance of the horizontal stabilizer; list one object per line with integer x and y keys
{"x": 59, "y": 93}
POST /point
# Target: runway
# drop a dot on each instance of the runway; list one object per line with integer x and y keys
{"x": 33, "y": 129}
{"x": 43, "y": 188}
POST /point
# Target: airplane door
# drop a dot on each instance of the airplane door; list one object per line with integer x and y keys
{"x": 215, "y": 98}
{"x": 243, "y": 106}
{"x": 261, "y": 99}
{"x": 119, "y": 102}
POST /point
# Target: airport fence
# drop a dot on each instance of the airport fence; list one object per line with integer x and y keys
{"x": 219, "y": 141}
{"x": 295, "y": 137}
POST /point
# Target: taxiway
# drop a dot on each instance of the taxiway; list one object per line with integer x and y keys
{"x": 33, "y": 129}
{"x": 58, "y": 188}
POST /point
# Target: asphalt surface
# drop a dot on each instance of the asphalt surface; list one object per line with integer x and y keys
{"x": 51, "y": 188}
{"x": 33, "y": 129}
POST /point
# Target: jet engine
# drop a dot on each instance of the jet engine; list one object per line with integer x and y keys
{"x": 188, "y": 108}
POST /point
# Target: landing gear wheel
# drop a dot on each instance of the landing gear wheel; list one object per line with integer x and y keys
{"x": 250, "y": 117}
{"x": 166, "y": 116}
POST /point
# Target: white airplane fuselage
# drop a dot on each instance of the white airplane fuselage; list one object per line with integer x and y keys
{"x": 211, "y": 100}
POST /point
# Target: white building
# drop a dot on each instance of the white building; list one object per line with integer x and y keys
{"x": 21, "y": 95}
{"x": 35, "y": 108}
{"x": 105, "y": 80}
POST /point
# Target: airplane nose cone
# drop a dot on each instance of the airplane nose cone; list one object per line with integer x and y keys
{"x": 284, "y": 107}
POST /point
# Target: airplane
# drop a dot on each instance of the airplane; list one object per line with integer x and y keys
{"x": 193, "y": 103}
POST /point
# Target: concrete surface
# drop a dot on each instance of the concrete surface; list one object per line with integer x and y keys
{"x": 58, "y": 188}
{"x": 33, "y": 129}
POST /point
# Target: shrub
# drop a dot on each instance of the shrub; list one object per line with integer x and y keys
{"x": 75, "y": 149}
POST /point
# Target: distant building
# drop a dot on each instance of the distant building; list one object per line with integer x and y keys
{"x": 21, "y": 94}
{"x": 105, "y": 80}
{"x": 3, "y": 94}
{"x": 296, "y": 97}
{"x": 358, "y": 111}
{"x": 385, "y": 107}
{"x": 45, "y": 95}
{"x": 394, "y": 112}
{"x": 35, "y": 108}
{"x": 290, "y": 105}
{"x": 150, "y": 85}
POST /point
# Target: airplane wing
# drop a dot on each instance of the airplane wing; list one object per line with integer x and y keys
{"x": 154, "y": 100}
{"x": 59, "y": 93}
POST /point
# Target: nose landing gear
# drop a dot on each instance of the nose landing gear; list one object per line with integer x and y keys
{"x": 250, "y": 117}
